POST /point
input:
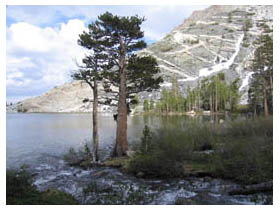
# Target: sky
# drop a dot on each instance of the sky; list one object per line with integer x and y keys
{"x": 41, "y": 41}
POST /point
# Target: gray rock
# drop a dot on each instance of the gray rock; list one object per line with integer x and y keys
{"x": 185, "y": 201}
{"x": 140, "y": 174}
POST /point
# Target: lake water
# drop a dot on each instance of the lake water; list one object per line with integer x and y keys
{"x": 41, "y": 140}
{"x": 32, "y": 137}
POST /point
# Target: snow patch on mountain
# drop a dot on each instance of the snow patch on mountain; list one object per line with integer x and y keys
{"x": 221, "y": 66}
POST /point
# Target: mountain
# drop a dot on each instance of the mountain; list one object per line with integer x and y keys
{"x": 210, "y": 41}
{"x": 217, "y": 39}
{"x": 70, "y": 97}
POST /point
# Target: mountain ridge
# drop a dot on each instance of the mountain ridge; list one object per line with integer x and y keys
{"x": 210, "y": 41}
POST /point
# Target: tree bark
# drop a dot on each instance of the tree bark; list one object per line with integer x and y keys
{"x": 265, "y": 100}
{"x": 216, "y": 101}
{"x": 121, "y": 145}
{"x": 94, "y": 121}
{"x": 271, "y": 83}
{"x": 210, "y": 104}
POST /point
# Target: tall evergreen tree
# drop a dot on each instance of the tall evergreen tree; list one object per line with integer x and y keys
{"x": 261, "y": 87}
{"x": 146, "y": 105}
{"x": 151, "y": 108}
{"x": 122, "y": 37}
{"x": 91, "y": 72}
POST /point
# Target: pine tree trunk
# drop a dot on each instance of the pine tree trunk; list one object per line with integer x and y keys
{"x": 199, "y": 100}
{"x": 210, "y": 103}
{"x": 271, "y": 83}
{"x": 216, "y": 101}
{"x": 265, "y": 100}
{"x": 94, "y": 121}
{"x": 230, "y": 101}
{"x": 121, "y": 146}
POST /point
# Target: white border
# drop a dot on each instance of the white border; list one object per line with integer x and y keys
{"x": 276, "y": 24}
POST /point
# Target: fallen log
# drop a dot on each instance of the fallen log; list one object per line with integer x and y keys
{"x": 252, "y": 189}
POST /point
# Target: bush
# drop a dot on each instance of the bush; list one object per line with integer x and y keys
{"x": 153, "y": 165}
{"x": 170, "y": 148}
{"x": 146, "y": 141}
{"x": 21, "y": 191}
{"x": 246, "y": 154}
{"x": 82, "y": 158}
{"x": 242, "y": 150}
{"x": 259, "y": 127}
{"x": 247, "y": 160}
{"x": 245, "y": 44}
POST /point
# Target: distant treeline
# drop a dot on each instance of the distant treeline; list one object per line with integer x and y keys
{"x": 213, "y": 94}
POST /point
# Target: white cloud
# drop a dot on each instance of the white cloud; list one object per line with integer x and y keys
{"x": 161, "y": 19}
{"x": 39, "y": 58}
{"x": 42, "y": 40}
{"x": 15, "y": 63}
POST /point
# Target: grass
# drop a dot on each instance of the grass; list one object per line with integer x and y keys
{"x": 240, "y": 150}
{"x": 21, "y": 191}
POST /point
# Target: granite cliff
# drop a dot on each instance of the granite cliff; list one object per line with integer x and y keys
{"x": 217, "y": 39}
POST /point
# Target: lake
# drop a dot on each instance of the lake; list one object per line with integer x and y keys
{"x": 41, "y": 140}
{"x": 32, "y": 137}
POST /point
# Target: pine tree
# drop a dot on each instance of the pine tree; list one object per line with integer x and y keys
{"x": 151, "y": 108}
{"x": 146, "y": 105}
{"x": 122, "y": 36}
{"x": 91, "y": 72}
{"x": 134, "y": 101}
{"x": 261, "y": 87}
{"x": 164, "y": 100}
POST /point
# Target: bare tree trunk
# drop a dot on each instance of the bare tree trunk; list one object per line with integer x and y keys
{"x": 94, "y": 121}
{"x": 121, "y": 146}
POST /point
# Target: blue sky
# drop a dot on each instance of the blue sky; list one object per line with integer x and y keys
{"x": 41, "y": 44}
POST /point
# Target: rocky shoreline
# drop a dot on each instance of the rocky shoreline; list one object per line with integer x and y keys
{"x": 108, "y": 180}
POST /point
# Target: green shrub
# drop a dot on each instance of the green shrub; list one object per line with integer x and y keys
{"x": 246, "y": 153}
{"x": 170, "y": 148}
{"x": 245, "y": 44}
{"x": 21, "y": 191}
{"x": 250, "y": 127}
{"x": 155, "y": 165}
{"x": 242, "y": 150}
{"x": 146, "y": 141}
{"x": 82, "y": 158}
{"x": 247, "y": 160}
